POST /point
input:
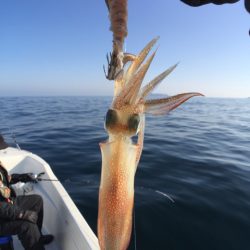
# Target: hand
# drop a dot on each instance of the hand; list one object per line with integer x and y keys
{"x": 32, "y": 177}
{"x": 27, "y": 177}
{"x": 28, "y": 215}
{"x": 5, "y": 192}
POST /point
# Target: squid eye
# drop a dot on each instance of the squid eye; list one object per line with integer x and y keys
{"x": 133, "y": 123}
{"x": 111, "y": 118}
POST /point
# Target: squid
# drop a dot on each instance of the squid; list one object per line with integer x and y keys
{"x": 120, "y": 156}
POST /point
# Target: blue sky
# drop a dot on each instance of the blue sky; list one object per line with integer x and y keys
{"x": 52, "y": 47}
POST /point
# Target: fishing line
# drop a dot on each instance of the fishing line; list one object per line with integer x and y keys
{"x": 134, "y": 228}
{"x": 40, "y": 179}
{"x": 14, "y": 138}
{"x": 166, "y": 195}
{"x": 12, "y": 135}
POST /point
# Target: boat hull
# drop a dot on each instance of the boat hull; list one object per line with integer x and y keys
{"x": 61, "y": 216}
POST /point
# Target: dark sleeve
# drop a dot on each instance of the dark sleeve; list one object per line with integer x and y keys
{"x": 247, "y": 5}
{"x": 20, "y": 177}
{"x": 14, "y": 178}
{"x": 8, "y": 211}
{"x": 196, "y": 3}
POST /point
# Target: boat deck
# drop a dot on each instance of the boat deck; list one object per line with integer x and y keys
{"x": 61, "y": 216}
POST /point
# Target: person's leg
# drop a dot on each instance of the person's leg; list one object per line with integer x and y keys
{"x": 32, "y": 202}
{"x": 27, "y": 232}
{"x": 35, "y": 203}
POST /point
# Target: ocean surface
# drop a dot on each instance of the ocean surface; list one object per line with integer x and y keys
{"x": 192, "y": 186}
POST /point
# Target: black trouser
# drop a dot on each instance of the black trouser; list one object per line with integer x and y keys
{"x": 28, "y": 233}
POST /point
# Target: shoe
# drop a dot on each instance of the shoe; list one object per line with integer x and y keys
{"x": 46, "y": 239}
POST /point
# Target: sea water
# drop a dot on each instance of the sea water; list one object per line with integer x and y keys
{"x": 192, "y": 186}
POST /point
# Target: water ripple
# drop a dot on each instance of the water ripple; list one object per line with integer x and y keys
{"x": 197, "y": 155}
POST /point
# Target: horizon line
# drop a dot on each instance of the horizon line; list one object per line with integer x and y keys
{"x": 222, "y": 97}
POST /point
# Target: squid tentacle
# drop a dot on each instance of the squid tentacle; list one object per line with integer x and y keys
{"x": 165, "y": 105}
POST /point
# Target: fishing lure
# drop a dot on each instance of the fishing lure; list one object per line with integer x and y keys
{"x": 118, "y": 14}
{"x": 120, "y": 156}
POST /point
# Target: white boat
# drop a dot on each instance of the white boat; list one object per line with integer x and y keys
{"x": 61, "y": 216}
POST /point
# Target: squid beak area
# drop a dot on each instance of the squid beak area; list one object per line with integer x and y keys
{"x": 116, "y": 194}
